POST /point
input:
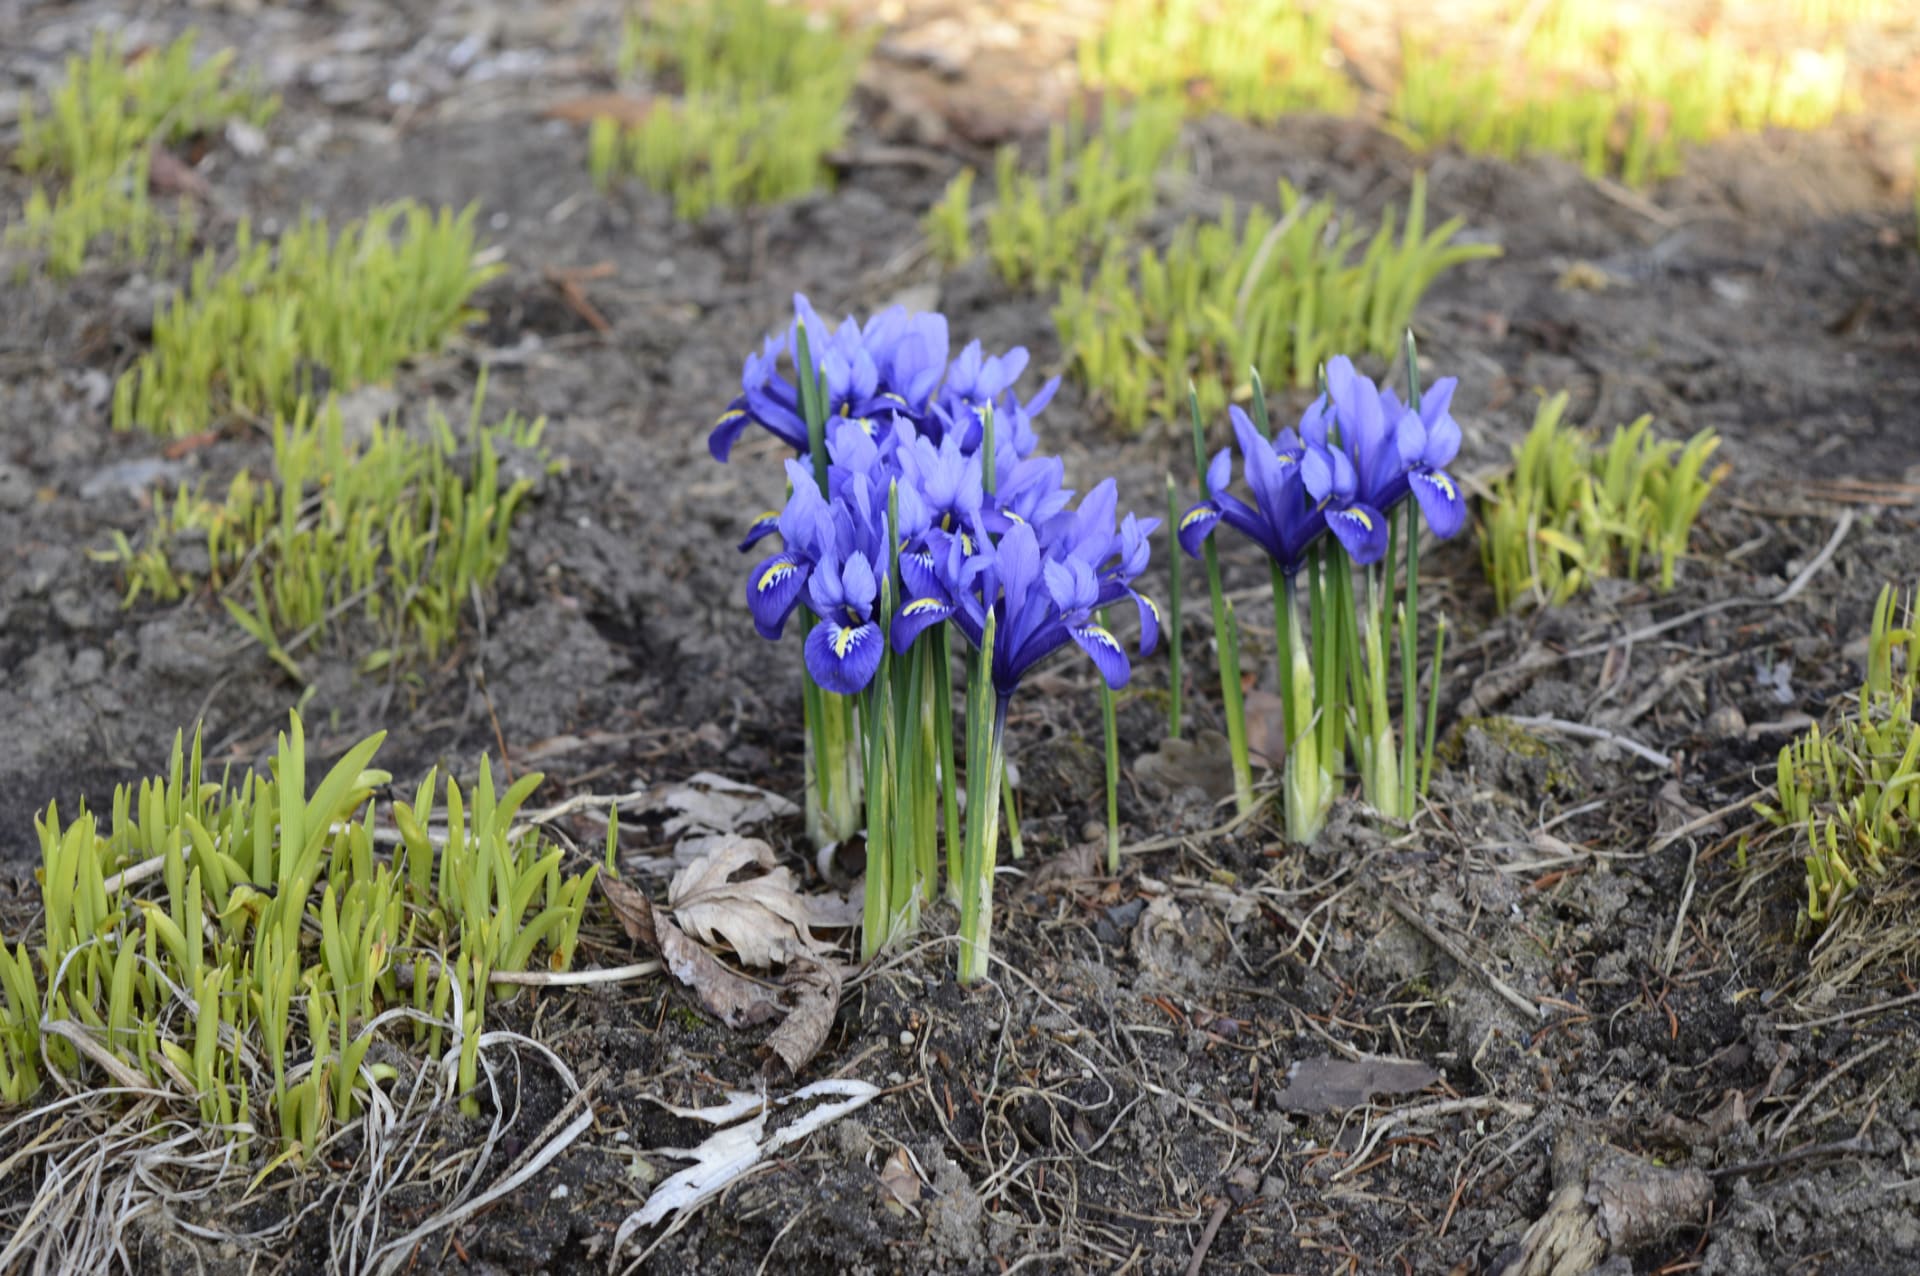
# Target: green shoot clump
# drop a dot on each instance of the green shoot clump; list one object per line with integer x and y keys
{"x": 398, "y": 532}
{"x": 242, "y": 946}
{"x": 90, "y": 153}
{"x": 1854, "y": 789}
{"x": 1045, "y": 229}
{"x": 1571, "y": 511}
{"x": 762, "y": 99}
{"x": 1254, "y": 59}
{"x": 1234, "y": 293}
{"x": 1619, "y": 98}
{"x": 258, "y": 336}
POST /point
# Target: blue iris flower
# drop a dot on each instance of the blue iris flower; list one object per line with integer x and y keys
{"x": 1397, "y": 451}
{"x": 1044, "y": 589}
{"x": 844, "y": 649}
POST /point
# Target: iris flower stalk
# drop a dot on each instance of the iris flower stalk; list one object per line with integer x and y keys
{"x": 833, "y": 755}
{"x": 1226, "y": 636}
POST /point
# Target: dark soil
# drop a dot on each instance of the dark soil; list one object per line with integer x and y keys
{"x": 1118, "y": 1086}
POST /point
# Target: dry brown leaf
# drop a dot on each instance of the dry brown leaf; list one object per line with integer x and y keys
{"x": 714, "y": 804}
{"x": 1325, "y": 1084}
{"x": 816, "y": 1000}
{"x": 622, "y": 108}
{"x": 168, "y": 174}
{"x": 764, "y": 918}
{"x": 737, "y": 1000}
{"x": 901, "y": 1183}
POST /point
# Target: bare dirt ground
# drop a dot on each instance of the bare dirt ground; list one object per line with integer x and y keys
{"x": 1563, "y": 938}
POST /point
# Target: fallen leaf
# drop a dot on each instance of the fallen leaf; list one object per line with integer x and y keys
{"x": 1191, "y": 762}
{"x": 731, "y": 1152}
{"x": 168, "y": 174}
{"x": 816, "y": 1000}
{"x": 1266, "y": 728}
{"x": 623, "y": 108}
{"x": 764, "y": 918}
{"x": 1325, "y": 1084}
{"x": 714, "y": 804}
{"x": 902, "y": 1184}
{"x": 737, "y": 1000}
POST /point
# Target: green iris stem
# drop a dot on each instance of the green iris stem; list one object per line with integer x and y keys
{"x": 986, "y": 761}
{"x": 1433, "y": 708}
{"x": 1175, "y": 670}
{"x": 943, "y": 739}
{"x": 1410, "y": 636}
{"x": 1010, "y": 808}
{"x": 1303, "y": 783}
{"x": 1226, "y": 636}
{"x": 1379, "y": 772}
{"x": 1110, "y": 728}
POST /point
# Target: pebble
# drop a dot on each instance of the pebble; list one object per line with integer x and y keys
{"x": 1726, "y": 723}
{"x": 16, "y": 487}
{"x": 559, "y": 1193}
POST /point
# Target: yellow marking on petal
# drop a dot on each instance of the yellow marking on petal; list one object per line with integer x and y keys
{"x": 966, "y": 544}
{"x": 1152, "y": 606}
{"x": 897, "y": 398}
{"x": 866, "y": 425}
{"x": 774, "y": 575}
{"x": 946, "y": 522}
{"x": 1360, "y": 517}
{"x": 1194, "y": 515}
{"x": 1014, "y": 518}
{"x": 920, "y": 605}
{"x": 1446, "y": 488}
{"x": 1095, "y": 633}
{"x": 766, "y": 516}
{"x": 845, "y": 639}
{"x": 731, "y": 414}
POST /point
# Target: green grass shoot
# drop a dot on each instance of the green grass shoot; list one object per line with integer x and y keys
{"x": 390, "y": 537}
{"x": 89, "y": 152}
{"x": 286, "y": 321}
{"x": 1571, "y": 511}
{"x": 1852, "y": 789}
{"x": 748, "y": 99}
{"x": 278, "y": 938}
{"x": 1236, "y": 292}
{"x": 1046, "y": 228}
{"x": 1254, "y": 59}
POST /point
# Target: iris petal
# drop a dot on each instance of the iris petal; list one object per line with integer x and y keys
{"x": 843, "y": 658}
{"x": 726, "y": 432}
{"x": 1362, "y": 530}
{"x": 761, "y": 528}
{"x": 1149, "y": 622}
{"x": 914, "y": 619}
{"x": 773, "y": 589}
{"x": 1196, "y": 525}
{"x": 1440, "y": 500}
{"x": 1108, "y": 655}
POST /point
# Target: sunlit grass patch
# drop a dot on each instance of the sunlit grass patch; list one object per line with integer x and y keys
{"x": 1572, "y": 511}
{"x": 288, "y": 319}
{"x": 1254, "y": 59}
{"x": 1283, "y": 293}
{"x": 90, "y": 151}
{"x": 394, "y": 535}
{"x": 748, "y": 98}
{"x": 242, "y": 945}
{"x": 1043, "y": 229}
{"x": 1622, "y": 95}
{"x": 1850, "y": 794}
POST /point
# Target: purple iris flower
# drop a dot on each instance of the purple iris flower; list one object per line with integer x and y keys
{"x": 1396, "y": 450}
{"x": 844, "y": 649}
{"x": 806, "y": 527}
{"x": 1044, "y": 594}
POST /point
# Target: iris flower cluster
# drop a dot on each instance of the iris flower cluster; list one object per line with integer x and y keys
{"x": 918, "y": 504}
{"x": 1326, "y": 496}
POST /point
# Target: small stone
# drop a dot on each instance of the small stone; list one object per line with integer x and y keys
{"x": 906, "y": 1038}
{"x": 1726, "y": 723}
{"x": 559, "y": 1193}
